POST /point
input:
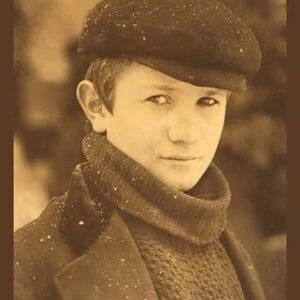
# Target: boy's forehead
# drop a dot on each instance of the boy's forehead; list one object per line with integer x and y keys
{"x": 148, "y": 78}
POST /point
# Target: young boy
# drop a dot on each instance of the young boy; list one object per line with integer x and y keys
{"x": 145, "y": 215}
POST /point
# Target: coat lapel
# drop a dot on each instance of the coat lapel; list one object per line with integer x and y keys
{"x": 111, "y": 267}
{"x": 244, "y": 267}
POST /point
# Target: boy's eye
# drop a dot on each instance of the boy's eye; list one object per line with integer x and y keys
{"x": 207, "y": 101}
{"x": 159, "y": 99}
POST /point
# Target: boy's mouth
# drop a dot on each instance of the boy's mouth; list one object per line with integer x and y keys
{"x": 180, "y": 158}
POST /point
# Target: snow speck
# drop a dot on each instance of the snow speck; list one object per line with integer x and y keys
{"x": 81, "y": 222}
{"x": 49, "y": 237}
{"x": 42, "y": 240}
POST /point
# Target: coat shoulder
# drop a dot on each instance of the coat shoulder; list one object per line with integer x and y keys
{"x": 43, "y": 230}
{"x": 40, "y": 251}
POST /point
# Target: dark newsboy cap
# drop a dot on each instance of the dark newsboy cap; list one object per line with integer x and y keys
{"x": 198, "y": 41}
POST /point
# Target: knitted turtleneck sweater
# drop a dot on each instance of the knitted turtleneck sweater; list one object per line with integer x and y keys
{"x": 176, "y": 233}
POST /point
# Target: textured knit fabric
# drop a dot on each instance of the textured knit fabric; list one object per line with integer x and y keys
{"x": 199, "y": 216}
{"x": 183, "y": 253}
{"x": 182, "y": 270}
{"x": 214, "y": 47}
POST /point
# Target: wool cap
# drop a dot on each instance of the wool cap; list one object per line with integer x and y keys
{"x": 198, "y": 41}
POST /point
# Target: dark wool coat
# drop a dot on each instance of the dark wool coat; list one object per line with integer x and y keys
{"x": 57, "y": 257}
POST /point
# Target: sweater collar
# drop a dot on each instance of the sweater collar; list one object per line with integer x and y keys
{"x": 198, "y": 216}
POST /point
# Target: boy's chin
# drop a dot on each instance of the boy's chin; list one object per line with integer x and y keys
{"x": 181, "y": 183}
{"x": 185, "y": 186}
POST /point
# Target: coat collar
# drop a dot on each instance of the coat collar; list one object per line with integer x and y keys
{"x": 82, "y": 222}
{"x": 109, "y": 265}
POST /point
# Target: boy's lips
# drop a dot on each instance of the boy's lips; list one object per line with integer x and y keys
{"x": 180, "y": 158}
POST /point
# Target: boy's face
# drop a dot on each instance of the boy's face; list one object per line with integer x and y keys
{"x": 170, "y": 127}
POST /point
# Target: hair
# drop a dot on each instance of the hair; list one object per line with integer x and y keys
{"x": 103, "y": 72}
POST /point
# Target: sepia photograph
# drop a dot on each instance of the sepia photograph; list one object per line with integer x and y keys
{"x": 149, "y": 150}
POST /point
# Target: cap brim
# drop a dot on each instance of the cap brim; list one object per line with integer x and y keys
{"x": 199, "y": 76}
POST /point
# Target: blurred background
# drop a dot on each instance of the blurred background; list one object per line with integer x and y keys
{"x": 49, "y": 125}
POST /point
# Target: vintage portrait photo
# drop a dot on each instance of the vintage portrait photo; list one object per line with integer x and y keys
{"x": 150, "y": 150}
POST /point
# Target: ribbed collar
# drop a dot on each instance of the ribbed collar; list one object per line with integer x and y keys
{"x": 198, "y": 216}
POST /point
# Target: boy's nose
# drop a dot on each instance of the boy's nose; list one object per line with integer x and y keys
{"x": 184, "y": 130}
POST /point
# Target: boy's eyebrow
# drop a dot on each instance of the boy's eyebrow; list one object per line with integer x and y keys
{"x": 215, "y": 92}
{"x": 163, "y": 87}
{"x": 168, "y": 88}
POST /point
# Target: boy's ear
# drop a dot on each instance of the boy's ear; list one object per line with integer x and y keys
{"x": 92, "y": 105}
